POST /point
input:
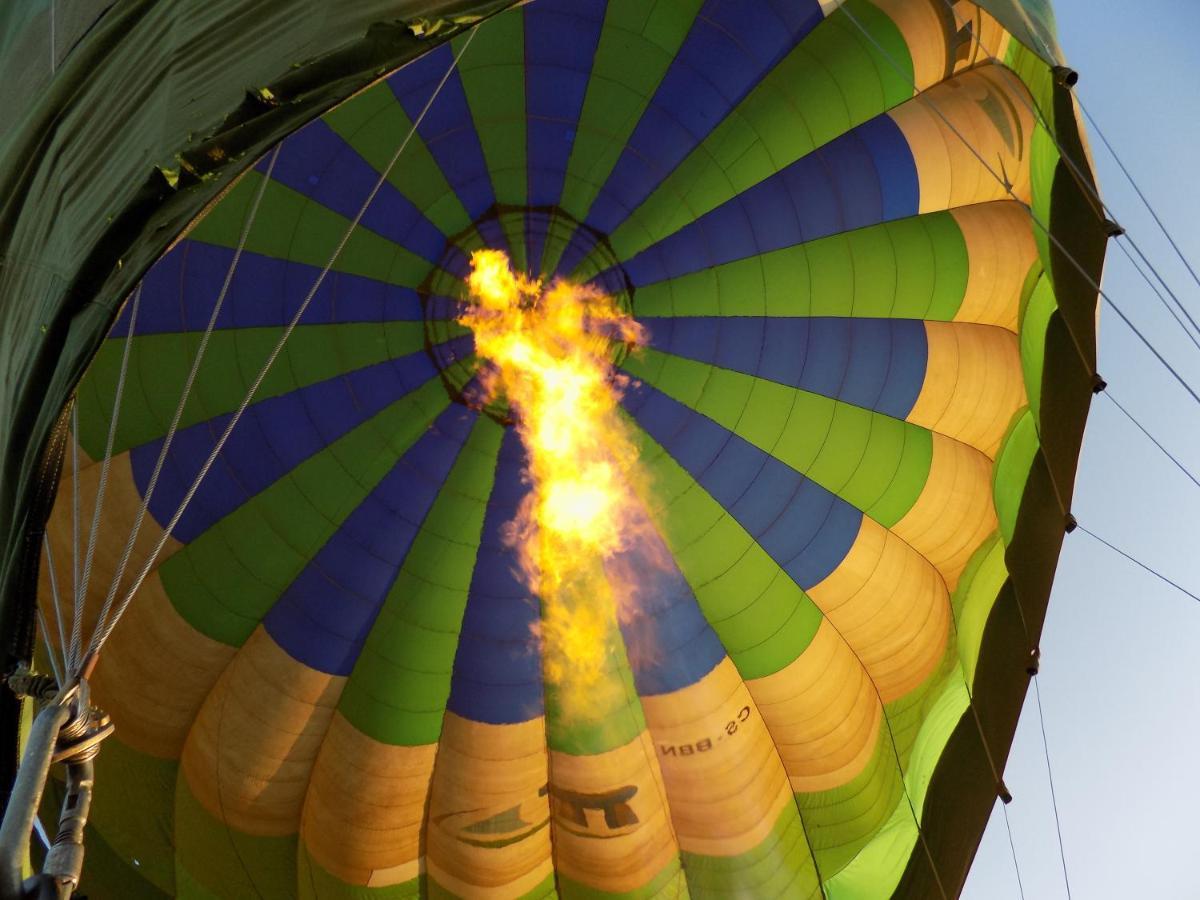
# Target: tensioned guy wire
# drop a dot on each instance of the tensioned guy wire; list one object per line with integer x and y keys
{"x": 101, "y": 635}
{"x": 74, "y": 511}
{"x": 1142, "y": 428}
{"x": 184, "y": 396}
{"x": 1013, "y": 847}
{"x": 60, "y": 671}
{"x": 1096, "y": 127}
{"x": 1139, "y": 563}
{"x": 81, "y": 592}
{"x": 1037, "y": 693}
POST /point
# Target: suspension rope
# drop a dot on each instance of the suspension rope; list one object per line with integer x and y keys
{"x": 1137, "y": 562}
{"x": 1095, "y": 126}
{"x": 1124, "y": 238}
{"x": 102, "y": 634}
{"x": 75, "y": 557}
{"x": 1037, "y": 692}
{"x": 1013, "y": 847}
{"x": 1189, "y": 332}
{"x": 60, "y": 671}
{"x": 1167, "y": 453}
{"x": 77, "y": 611}
{"x": 185, "y": 395}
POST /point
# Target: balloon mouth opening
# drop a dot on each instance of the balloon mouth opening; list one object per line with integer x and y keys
{"x": 543, "y": 242}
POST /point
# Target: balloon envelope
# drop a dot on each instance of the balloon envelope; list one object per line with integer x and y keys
{"x": 827, "y": 219}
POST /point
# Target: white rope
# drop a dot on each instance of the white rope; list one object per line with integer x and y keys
{"x": 81, "y": 592}
{"x": 59, "y": 670}
{"x": 102, "y": 635}
{"x": 183, "y": 399}
{"x": 74, "y": 510}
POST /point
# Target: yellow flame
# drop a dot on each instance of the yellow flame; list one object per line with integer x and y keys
{"x": 549, "y": 348}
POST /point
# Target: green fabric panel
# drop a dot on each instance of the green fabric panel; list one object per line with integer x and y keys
{"x": 973, "y": 600}
{"x": 876, "y": 870}
{"x": 225, "y": 580}
{"x": 874, "y": 462}
{"x": 909, "y": 714}
{"x": 781, "y": 866}
{"x": 139, "y": 825}
{"x": 397, "y": 691}
{"x": 669, "y": 883}
{"x": 1043, "y": 168}
{"x": 374, "y": 125}
{"x": 948, "y": 703}
{"x": 216, "y": 861}
{"x": 291, "y": 226}
{"x": 546, "y": 890}
{"x": 1017, "y": 452}
{"x": 1041, "y": 307}
{"x": 637, "y": 44}
{"x": 840, "y": 822}
{"x": 762, "y": 617}
{"x": 913, "y": 268}
{"x": 109, "y": 874}
{"x": 159, "y": 366}
{"x": 493, "y": 77}
{"x": 1032, "y": 23}
{"x": 514, "y": 232}
{"x": 316, "y": 883}
{"x": 614, "y": 715}
{"x": 832, "y": 81}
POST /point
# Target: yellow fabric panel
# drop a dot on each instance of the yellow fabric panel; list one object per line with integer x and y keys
{"x": 823, "y": 713}
{"x": 155, "y": 672}
{"x": 365, "y": 807}
{"x": 724, "y": 778}
{"x": 251, "y": 751}
{"x": 121, "y": 501}
{"x": 890, "y": 606}
{"x": 955, "y": 127}
{"x": 612, "y": 830}
{"x": 489, "y": 810}
{"x": 1000, "y": 252}
{"x": 989, "y": 39}
{"x": 954, "y": 513}
{"x": 921, "y": 26}
{"x": 973, "y": 384}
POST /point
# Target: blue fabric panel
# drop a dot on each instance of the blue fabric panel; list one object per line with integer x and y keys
{"x": 862, "y": 178}
{"x": 560, "y": 44}
{"x": 272, "y": 438}
{"x": 877, "y": 364}
{"x": 324, "y": 616}
{"x": 447, "y": 129}
{"x": 179, "y": 291}
{"x": 806, "y": 529}
{"x": 493, "y": 234}
{"x": 498, "y": 668}
{"x": 669, "y": 643}
{"x": 728, "y": 50}
{"x": 318, "y": 163}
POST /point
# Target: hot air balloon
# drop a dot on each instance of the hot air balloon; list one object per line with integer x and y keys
{"x": 854, "y": 248}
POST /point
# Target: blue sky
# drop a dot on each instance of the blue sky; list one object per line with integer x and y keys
{"x": 1120, "y": 678}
